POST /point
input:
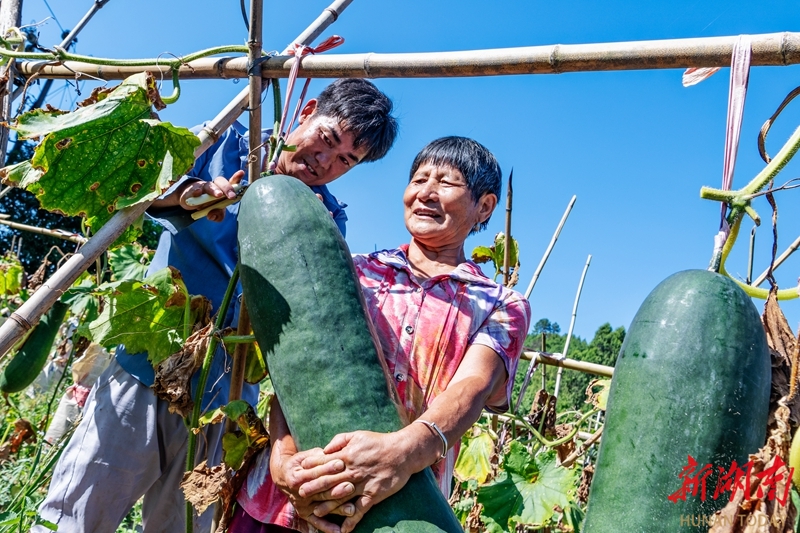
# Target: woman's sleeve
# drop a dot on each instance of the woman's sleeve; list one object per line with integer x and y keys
{"x": 504, "y": 331}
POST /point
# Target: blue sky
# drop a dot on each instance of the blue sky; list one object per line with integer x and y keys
{"x": 635, "y": 147}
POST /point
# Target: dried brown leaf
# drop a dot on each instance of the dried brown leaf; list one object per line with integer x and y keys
{"x": 782, "y": 344}
{"x": 174, "y": 374}
{"x": 514, "y": 278}
{"x": 582, "y": 494}
{"x": 473, "y": 522}
{"x": 23, "y": 432}
{"x": 779, "y": 334}
{"x": 98, "y": 93}
{"x": 37, "y": 278}
{"x": 203, "y": 486}
{"x": 564, "y": 450}
{"x": 229, "y": 491}
{"x": 544, "y": 405}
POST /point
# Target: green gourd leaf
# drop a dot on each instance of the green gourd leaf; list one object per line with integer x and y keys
{"x": 129, "y": 262}
{"x": 11, "y": 273}
{"x": 108, "y": 154}
{"x": 474, "y": 458}
{"x": 144, "y": 315}
{"x": 526, "y": 491}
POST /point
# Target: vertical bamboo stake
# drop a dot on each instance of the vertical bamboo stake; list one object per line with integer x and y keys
{"x": 550, "y": 247}
{"x": 10, "y": 17}
{"x": 783, "y": 257}
{"x": 750, "y": 256}
{"x": 506, "y": 265}
{"x": 572, "y": 322}
{"x": 253, "y": 172}
{"x": 544, "y": 349}
{"x": 507, "y": 248}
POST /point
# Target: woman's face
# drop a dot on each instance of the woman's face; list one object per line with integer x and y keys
{"x": 439, "y": 209}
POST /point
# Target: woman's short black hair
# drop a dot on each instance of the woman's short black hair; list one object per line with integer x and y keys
{"x": 364, "y": 110}
{"x": 475, "y": 162}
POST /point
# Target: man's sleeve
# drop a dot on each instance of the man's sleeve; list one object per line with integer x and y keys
{"x": 504, "y": 331}
{"x": 175, "y": 218}
{"x": 333, "y": 205}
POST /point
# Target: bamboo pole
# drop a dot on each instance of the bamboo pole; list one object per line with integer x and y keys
{"x": 56, "y": 233}
{"x": 557, "y": 359}
{"x": 238, "y": 104}
{"x": 508, "y": 241}
{"x": 580, "y": 450}
{"x": 253, "y": 171}
{"x": 572, "y": 322}
{"x": 10, "y": 17}
{"x": 783, "y": 257}
{"x": 750, "y": 255}
{"x": 65, "y": 44}
{"x": 28, "y": 314}
{"x": 769, "y": 49}
{"x": 550, "y": 246}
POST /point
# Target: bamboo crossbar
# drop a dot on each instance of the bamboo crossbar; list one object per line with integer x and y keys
{"x": 769, "y": 49}
{"x": 56, "y": 233}
{"x": 555, "y": 359}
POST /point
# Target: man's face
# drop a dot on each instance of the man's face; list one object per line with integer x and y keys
{"x": 324, "y": 149}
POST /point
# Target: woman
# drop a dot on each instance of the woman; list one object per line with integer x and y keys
{"x": 451, "y": 337}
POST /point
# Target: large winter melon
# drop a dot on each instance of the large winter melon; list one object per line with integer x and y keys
{"x": 325, "y": 363}
{"x": 692, "y": 379}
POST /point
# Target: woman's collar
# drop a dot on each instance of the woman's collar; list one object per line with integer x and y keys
{"x": 467, "y": 272}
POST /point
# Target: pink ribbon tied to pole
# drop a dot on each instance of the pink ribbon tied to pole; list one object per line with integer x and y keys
{"x": 737, "y": 92}
{"x": 300, "y": 51}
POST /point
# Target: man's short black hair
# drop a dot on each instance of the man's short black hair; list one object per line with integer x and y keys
{"x": 364, "y": 110}
{"x": 475, "y": 162}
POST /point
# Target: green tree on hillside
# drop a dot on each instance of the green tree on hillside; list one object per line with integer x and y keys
{"x": 543, "y": 325}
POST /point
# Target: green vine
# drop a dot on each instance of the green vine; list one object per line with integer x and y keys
{"x": 551, "y": 443}
{"x": 10, "y": 49}
{"x": 191, "y": 448}
{"x": 739, "y": 202}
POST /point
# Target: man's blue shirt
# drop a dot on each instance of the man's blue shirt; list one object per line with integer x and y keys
{"x": 206, "y": 253}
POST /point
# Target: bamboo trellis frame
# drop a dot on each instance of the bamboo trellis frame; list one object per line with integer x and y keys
{"x": 774, "y": 49}
{"x": 29, "y": 313}
{"x": 557, "y": 359}
{"x": 769, "y": 49}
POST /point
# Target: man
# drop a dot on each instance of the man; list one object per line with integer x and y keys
{"x": 128, "y": 445}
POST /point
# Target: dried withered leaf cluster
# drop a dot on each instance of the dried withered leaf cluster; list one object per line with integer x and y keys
{"x": 203, "y": 486}
{"x": 761, "y": 511}
{"x": 173, "y": 380}
{"x": 23, "y": 432}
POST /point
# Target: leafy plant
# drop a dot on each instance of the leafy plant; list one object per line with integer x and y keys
{"x": 110, "y": 153}
{"x": 527, "y": 491}
{"x": 146, "y": 315}
{"x": 496, "y": 254}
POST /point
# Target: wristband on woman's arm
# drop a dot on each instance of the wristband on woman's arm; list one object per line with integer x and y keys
{"x": 436, "y": 429}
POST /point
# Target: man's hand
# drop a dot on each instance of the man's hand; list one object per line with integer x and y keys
{"x": 374, "y": 465}
{"x": 219, "y": 188}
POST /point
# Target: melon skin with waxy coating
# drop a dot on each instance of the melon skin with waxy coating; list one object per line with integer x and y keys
{"x": 326, "y": 365}
{"x": 30, "y": 359}
{"x": 693, "y": 379}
